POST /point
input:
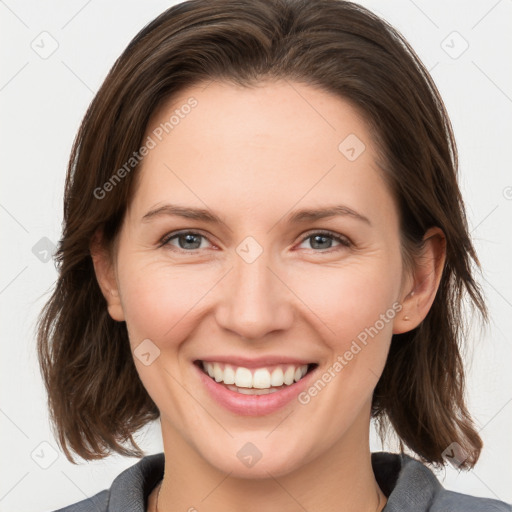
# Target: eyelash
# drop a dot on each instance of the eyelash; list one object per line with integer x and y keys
{"x": 344, "y": 242}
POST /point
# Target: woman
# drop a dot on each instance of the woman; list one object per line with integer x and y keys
{"x": 264, "y": 246}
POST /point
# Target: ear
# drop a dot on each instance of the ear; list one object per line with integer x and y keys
{"x": 423, "y": 283}
{"x": 104, "y": 269}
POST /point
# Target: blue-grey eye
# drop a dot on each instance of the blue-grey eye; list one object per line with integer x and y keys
{"x": 186, "y": 241}
{"x": 323, "y": 240}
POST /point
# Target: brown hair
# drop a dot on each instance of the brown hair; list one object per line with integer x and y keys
{"x": 96, "y": 399}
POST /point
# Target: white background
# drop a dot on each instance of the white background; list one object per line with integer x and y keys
{"x": 42, "y": 102}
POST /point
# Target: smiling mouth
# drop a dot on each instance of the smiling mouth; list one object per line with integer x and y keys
{"x": 255, "y": 381}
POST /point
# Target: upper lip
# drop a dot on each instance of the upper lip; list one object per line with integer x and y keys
{"x": 256, "y": 362}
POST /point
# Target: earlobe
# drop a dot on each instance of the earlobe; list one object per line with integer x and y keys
{"x": 427, "y": 273}
{"x": 105, "y": 275}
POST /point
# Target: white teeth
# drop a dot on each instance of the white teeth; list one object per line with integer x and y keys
{"x": 243, "y": 378}
{"x": 288, "y": 375}
{"x": 261, "y": 379}
{"x": 252, "y": 391}
{"x": 229, "y": 375}
{"x": 209, "y": 369}
{"x": 277, "y": 377}
{"x": 218, "y": 374}
{"x": 245, "y": 391}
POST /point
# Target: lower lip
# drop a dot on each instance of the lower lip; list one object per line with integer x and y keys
{"x": 253, "y": 405}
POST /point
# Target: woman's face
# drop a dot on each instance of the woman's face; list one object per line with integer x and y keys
{"x": 257, "y": 288}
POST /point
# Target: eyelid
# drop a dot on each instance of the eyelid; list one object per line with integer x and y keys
{"x": 172, "y": 234}
{"x": 341, "y": 239}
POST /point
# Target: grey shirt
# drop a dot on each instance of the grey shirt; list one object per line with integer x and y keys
{"x": 408, "y": 484}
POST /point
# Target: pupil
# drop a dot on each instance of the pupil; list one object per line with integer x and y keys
{"x": 315, "y": 237}
{"x": 189, "y": 240}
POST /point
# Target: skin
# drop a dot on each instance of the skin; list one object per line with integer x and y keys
{"x": 252, "y": 156}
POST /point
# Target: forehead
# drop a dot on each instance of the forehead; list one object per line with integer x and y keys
{"x": 274, "y": 145}
{"x": 279, "y": 114}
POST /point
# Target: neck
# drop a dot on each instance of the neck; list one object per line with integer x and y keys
{"x": 340, "y": 479}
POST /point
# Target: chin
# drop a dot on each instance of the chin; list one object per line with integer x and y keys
{"x": 255, "y": 459}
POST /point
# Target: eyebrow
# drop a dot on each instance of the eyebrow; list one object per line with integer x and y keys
{"x": 312, "y": 214}
{"x": 296, "y": 217}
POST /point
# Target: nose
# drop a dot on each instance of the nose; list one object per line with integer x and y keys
{"x": 255, "y": 299}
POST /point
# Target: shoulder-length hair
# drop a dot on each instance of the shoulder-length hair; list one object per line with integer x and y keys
{"x": 95, "y": 396}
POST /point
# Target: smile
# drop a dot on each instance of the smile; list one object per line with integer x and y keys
{"x": 256, "y": 381}
{"x": 254, "y": 391}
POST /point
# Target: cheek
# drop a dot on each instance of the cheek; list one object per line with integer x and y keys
{"x": 349, "y": 299}
{"x": 158, "y": 299}
{"x": 164, "y": 301}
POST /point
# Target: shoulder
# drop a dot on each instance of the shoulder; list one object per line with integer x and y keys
{"x": 129, "y": 490}
{"x": 97, "y": 503}
{"x": 410, "y": 485}
{"x": 457, "y": 502}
